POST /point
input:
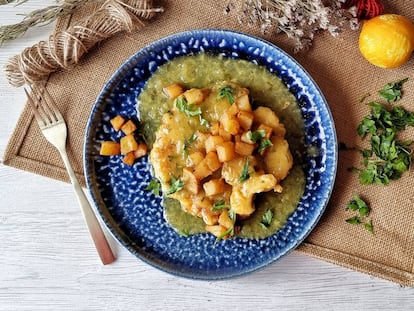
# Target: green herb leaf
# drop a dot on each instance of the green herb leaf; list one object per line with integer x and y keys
{"x": 245, "y": 171}
{"x": 368, "y": 226}
{"x": 227, "y": 93}
{"x": 392, "y": 92}
{"x": 219, "y": 205}
{"x": 189, "y": 109}
{"x": 185, "y": 233}
{"x": 264, "y": 144}
{"x": 256, "y": 135}
{"x": 354, "y": 220}
{"x": 267, "y": 218}
{"x": 176, "y": 185}
{"x": 388, "y": 157}
{"x": 154, "y": 186}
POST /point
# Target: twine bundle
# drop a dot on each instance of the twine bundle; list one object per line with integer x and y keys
{"x": 64, "y": 49}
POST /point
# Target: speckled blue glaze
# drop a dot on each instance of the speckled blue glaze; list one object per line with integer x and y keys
{"x": 135, "y": 216}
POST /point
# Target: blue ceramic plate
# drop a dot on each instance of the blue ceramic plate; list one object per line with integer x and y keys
{"x": 135, "y": 216}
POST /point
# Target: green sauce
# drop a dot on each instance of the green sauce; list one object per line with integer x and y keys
{"x": 266, "y": 89}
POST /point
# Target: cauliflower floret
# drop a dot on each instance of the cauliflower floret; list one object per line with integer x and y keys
{"x": 278, "y": 159}
{"x": 241, "y": 199}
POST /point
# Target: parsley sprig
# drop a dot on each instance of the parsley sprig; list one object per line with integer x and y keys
{"x": 189, "y": 109}
{"x": 267, "y": 219}
{"x": 360, "y": 206}
{"x": 176, "y": 185}
{"x": 260, "y": 137}
{"x": 226, "y": 92}
{"x": 392, "y": 92}
{"x": 245, "y": 171}
{"x": 154, "y": 186}
{"x": 219, "y": 205}
{"x": 388, "y": 156}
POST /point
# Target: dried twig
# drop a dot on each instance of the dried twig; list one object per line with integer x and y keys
{"x": 38, "y": 17}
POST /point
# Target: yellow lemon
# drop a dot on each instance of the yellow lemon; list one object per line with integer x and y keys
{"x": 387, "y": 41}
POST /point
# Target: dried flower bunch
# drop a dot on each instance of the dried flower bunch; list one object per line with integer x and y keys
{"x": 298, "y": 19}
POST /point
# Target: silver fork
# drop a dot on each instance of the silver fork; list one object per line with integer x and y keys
{"x": 54, "y": 128}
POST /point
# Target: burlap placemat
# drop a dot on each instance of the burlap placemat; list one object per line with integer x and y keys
{"x": 343, "y": 76}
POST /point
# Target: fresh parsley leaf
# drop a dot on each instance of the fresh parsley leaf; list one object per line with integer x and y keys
{"x": 176, "y": 185}
{"x": 189, "y": 109}
{"x": 256, "y": 135}
{"x": 369, "y": 227}
{"x": 357, "y": 204}
{"x": 219, "y": 205}
{"x": 388, "y": 157}
{"x": 264, "y": 144}
{"x": 267, "y": 218}
{"x": 360, "y": 206}
{"x": 245, "y": 171}
{"x": 392, "y": 92}
{"x": 354, "y": 220}
{"x": 227, "y": 93}
{"x": 185, "y": 233}
{"x": 154, "y": 186}
{"x": 203, "y": 121}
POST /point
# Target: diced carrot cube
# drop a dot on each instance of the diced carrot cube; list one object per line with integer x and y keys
{"x": 212, "y": 160}
{"x": 214, "y": 186}
{"x": 268, "y": 130}
{"x": 190, "y": 181}
{"x": 129, "y": 158}
{"x": 117, "y": 122}
{"x": 225, "y": 151}
{"x": 245, "y": 119}
{"x": 212, "y": 141}
{"x": 128, "y": 144}
{"x": 243, "y": 102}
{"x": 129, "y": 127}
{"x": 141, "y": 151}
{"x": 243, "y": 148}
{"x": 202, "y": 170}
{"x": 109, "y": 148}
{"x": 195, "y": 96}
{"x": 173, "y": 91}
{"x": 195, "y": 158}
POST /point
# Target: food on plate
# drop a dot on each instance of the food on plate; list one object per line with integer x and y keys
{"x": 239, "y": 153}
{"x": 128, "y": 146}
{"x": 226, "y": 141}
{"x": 387, "y": 40}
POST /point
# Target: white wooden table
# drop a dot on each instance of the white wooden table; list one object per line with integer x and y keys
{"x": 48, "y": 262}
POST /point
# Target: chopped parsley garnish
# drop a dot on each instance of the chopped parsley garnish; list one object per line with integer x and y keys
{"x": 267, "y": 219}
{"x": 245, "y": 171}
{"x": 264, "y": 144}
{"x": 176, "y": 185}
{"x": 154, "y": 186}
{"x": 189, "y": 109}
{"x": 185, "y": 233}
{"x": 388, "y": 156}
{"x": 360, "y": 206}
{"x": 256, "y": 135}
{"x": 227, "y": 93}
{"x": 189, "y": 142}
{"x": 219, "y": 205}
{"x": 392, "y": 92}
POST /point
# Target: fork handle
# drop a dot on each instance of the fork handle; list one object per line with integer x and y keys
{"x": 95, "y": 230}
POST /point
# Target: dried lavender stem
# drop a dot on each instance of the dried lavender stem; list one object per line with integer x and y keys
{"x": 37, "y": 18}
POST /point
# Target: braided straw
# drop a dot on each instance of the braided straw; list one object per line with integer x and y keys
{"x": 64, "y": 49}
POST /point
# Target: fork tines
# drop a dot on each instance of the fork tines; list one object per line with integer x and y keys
{"x": 43, "y": 105}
